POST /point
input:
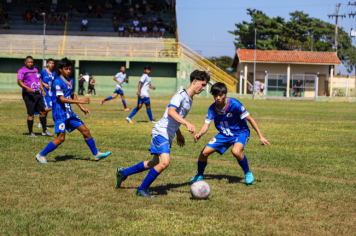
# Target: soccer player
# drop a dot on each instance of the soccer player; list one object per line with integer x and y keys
{"x": 163, "y": 134}
{"x": 47, "y": 76}
{"x": 230, "y": 120}
{"x": 63, "y": 116}
{"x": 143, "y": 97}
{"x": 28, "y": 79}
{"x": 120, "y": 78}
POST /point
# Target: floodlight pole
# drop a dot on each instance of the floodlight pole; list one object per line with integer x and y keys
{"x": 44, "y": 39}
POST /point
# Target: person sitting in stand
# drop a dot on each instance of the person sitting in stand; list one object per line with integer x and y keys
{"x": 162, "y": 30}
{"x": 132, "y": 31}
{"x": 154, "y": 19}
{"x": 37, "y": 13}
{"x": 115, "y": 16}
{"x": 49, "y": 19}
{"x": 55, "y": 18}
{"x": 116, "y": 25}
{"x": 131, "y": 12}
{"x": 126, "y": 31}
{"x": 160, "y": 20}
{"x": 63, "y": 19}
{"x": 155, "y": 31}
{"x": 90, "y": 10}
{"x": 42, "y": 8}
{"x": 121, "y": 31}
{"x": 6, "y": 25}
{"x": 84, "y": 24}
{"x": 139, "y": 15}
{"x": 53, "y": 8}
{"x": 99, "y": 11}
{"x": 108, "y": 6}
{"x": 166, "y": 26}
{"x": 136, "y": 22}
{"x": 71, "y": 11}
{"x": 144, "y": 31}
{"x": 28, "y": 18}
{"x": 33, "y": 20}
{"x": 138, "y": 31}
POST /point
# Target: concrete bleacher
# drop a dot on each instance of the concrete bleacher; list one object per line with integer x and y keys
{"x": 96, "y": 26}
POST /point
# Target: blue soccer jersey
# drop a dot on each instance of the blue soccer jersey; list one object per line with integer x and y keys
{"x": 230, "y": 121}
{"x": 47, "y": 77}
{"x": 62, "y": 87}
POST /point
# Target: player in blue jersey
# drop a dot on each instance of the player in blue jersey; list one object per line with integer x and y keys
{"x": 143, "y": 97}
{"x": 63, "y": 116}
{"x": 120, "y": 78}
{"x": 163, "y": 134}
{"x": 230, "y": 120}
{"x": 47, "y": 76}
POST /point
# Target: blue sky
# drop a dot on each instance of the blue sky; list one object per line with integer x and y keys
{"x": 204, "y": 24}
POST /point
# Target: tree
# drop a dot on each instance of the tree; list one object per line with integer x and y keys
{"x": 295, "y": 34}
{"x": 224, "y": 63}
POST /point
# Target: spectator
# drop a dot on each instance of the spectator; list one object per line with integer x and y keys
{"x": 162, "y": 30}
{"x": 49, "y": 19}
{"x": 154, "y": 19}
{"x": 257, "y": 87}
{"x": 90, "y": 10}
{"x": 71, "y": 11}
{"x": 132, "y": 31}
{"x": 262, "y": 88}
{"x": 168, "y": 5}
{"x": 139, "y": 15}
{"x": 137, "y": 7}
{"x": 144, "y": 31}
{"x": 126, "y": 31}
{"x": 155, "y": 31}
{"x": 121, "y": 31}
{"x": 99, "y": 11}
{"x": 166, "y": 26}
{"x": 116, "y": 25}
{"x": 42, "y": 8}
{"x": 53, "y": 8}
{"x": 131, "y": 12}
{"x": 114, "y": 16}
{"x": 33, "y": 20}
{"x": 84, "y": 24}
{"x": 171, "y": 29}
{"x": 143, "y": 22}
{"x": 6, "y": 25}
{"x": 136, "y": 22}
{"x": 108, "y": 6}
{"x": 159, "y": 20}
{"x": 126, "y": 17}
{"x": 28, "y": 18}
{"x": 138, "y": 31}
{"x": 81, "y": 85}
{"x": 149, "y": 29}
{"x": 298, "y": 88}
{"x": 148, "y": 9}
{"x": 55, "y": 19}
{"x": 6, "y": 16}
{"x": 144, "y": 3}
{"x": 37, "y": 14}
{"x": 63, "y": 19}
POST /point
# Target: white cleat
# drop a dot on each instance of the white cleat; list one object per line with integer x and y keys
{"x": 39, "y": 125}
{"x": 129, "y": 120}
{"x": 153, "y": 122}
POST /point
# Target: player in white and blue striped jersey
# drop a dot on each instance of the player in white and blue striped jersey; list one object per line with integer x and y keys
{"x": 143, "y": 97}
{"x": 230, "y": 120}
{"x": 63, "y": 116}
{"x": 120, "y": 78}
{"x": 164, "y": 132}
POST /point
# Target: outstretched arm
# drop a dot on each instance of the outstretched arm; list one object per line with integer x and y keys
{"x": 252, "y": 121}
{"x": 172, "y": 112}
{"x": 202, "y": 131}
{"x": 83, "y": 109}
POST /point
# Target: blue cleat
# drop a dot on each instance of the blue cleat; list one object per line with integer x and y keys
{"x": 101, "y": 156}
{"x": 197, "y": 178}
{"x": 145, "y": 194}
{"x": 41, "y": 159}
{"x": 249, "y": 177}
{"x": 119, "y": 176}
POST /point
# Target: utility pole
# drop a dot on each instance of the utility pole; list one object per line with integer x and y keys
{"x": 311, "y": 43}
{"x": 336, "y": 33}
{"x": 353, "y": 15}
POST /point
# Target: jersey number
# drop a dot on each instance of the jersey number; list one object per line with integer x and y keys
{"x": 225, "y": 128}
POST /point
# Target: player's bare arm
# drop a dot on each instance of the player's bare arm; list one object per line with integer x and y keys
{"x": 202, "y": 131}
{"x": 74, "y": 101}
{"x": 45, "y": 85}
{"x": 180, "y": 138}
{"x": 83, "y": 109}
{"x": 172, "y": 112}
{"x": 252, "y": 121}
{"x": 152, "y": 87}
{"x": 116, "y": 80}
{"x": 139, "y": 88}
{"x": 22, "y": 85}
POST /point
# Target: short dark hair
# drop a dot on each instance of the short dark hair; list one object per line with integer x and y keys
{"x": 218, "y": 89}
{"x": 199, "y": 75}
{"x": 50, "y": 59}
{"x": 147, "y": 67}
{"x": 29, "y": 57}
{"x": 64, "y": 63}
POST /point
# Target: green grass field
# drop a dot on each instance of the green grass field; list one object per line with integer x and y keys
{"x": 305, "y": 183}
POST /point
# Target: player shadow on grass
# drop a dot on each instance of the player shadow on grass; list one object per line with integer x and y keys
{"x": 39, "y": 134}
{"x": 163, "y": 190}
{"x": 69, "y": 157}
{"x": 231, "y": 179}
{"x": 142, "y": 121}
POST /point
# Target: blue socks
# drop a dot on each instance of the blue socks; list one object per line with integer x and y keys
{"x": 134, "y": 169}
{"x": 201, "y": 167}
{"x": 91, "y": 145}
{"x": 108, "y": 98}
{"x": 124, "y": 102}
{"x": 149, "y": 113}
{"x": 244, "y": 165}
{"x": 50, "y": 147}
{"x": 133, "y": 112}
{"x": 151, "y": 176}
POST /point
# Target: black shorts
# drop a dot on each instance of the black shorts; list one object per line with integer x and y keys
{"x": 298, "y": 90}
{"x": 34, "y": 103}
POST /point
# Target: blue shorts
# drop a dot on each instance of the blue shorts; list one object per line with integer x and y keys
{"x": 145, "y": 100}
{"x": 221, "y": 143}
{"x": 160, "y": 144}
{"x": 69, "y": 125}
{"x": 119, "y": 91}
{"x": 47, "y": 102}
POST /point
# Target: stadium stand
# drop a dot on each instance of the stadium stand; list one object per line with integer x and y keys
{"x": 102, "y": 26}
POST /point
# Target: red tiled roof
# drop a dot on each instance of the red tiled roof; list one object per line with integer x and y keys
{"x": 303, "y": 57}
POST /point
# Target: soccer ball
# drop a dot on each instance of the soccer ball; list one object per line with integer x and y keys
{"x": 200, "y": 190}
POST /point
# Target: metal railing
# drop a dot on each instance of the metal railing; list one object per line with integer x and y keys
{"x": 118, "y": 49}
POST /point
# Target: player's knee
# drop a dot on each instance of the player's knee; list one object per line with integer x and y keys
{"x": 60, "y": 139}
{"x": 86, "y": 132}
{"x": 237, "y": 153}
{"x": 165, "y": 163}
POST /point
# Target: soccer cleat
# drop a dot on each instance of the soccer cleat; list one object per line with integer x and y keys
{"x": 144, "y": 193}
{"x": 153, "y": 122}
{"x": 32, "y": 135}
{"x": 102, "y": 102}
{"x": 127, "y": 108}
{"x": 47, "y": 133}
{"x": 39, "y": 125}
{"x": 41, "y": 159}
{"x": 101, "y": 156}
{"x": 129, "y": 120}
{"x": 249, "y": 177}
{"x": 119, "y": 176}
{"x": 197, "y": 178}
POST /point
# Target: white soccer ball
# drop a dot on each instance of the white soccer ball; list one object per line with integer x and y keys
{"x": 200, "y": 190}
